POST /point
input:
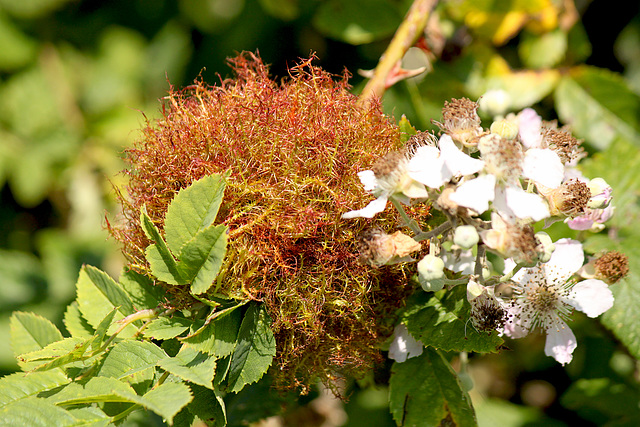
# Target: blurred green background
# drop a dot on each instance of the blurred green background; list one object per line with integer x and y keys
{"x": 78, "y": 78}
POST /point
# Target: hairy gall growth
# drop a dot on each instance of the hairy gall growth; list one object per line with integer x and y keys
{"x": 292, "y": 150}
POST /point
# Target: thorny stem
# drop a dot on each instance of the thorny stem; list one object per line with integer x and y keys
{"x": 433, "y": 233}
{"x": 407, "y": 34}
{"x": 412, "y": 224}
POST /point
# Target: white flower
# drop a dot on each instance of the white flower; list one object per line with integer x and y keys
{"x": 433, "y": 167}
{"x": 505, "y": 164}
{"x": 404, "y": 346}
{"x": 389, "y": 178}
{"x": 545, "y": 299}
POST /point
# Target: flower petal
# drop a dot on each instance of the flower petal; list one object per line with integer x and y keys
{"x": 560, "y": 342}
{"x": 458, "y": 163}
{"x": 368, "y": 180}
{"x": 370, "y": 210}
{"x": 476, "y": 193}
{"x": 427, "y": 167}
{"x": 543, "y": 166}
{"x": 404, "y": 346}
{"x": 522, "y": 204}
{"x": 565, "y": 260}
{"x": 593, "y": 297}
{"x": 513, "y": 328}
{"x": 530, "y": 123}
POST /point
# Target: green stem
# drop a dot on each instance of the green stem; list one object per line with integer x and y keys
{"x": 433, "y": 233}
{"x": 477, "y": 269}
{"x": 412, "y": 224}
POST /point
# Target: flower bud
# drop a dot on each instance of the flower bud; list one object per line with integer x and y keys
{"x": 466, "y": 236}
{"x": 600, "y": 194}
{"x": 504, "y": 128}
{"x": 431, "y": 273}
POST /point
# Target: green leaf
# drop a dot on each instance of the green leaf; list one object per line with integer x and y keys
{"x": 201, "y": 258}
{"x": 602, "y": 400}
{"x": 357, "y": 21}
{"x": 99, "y": 294}
{"x": 101, "y": 331}
{"x": 143, "y": 294}
{"x": 167, "y": 399}
{"x": 133, "y": 361}
{"x": 218, "y": 335}
{"x": 30, "y": 332}
{"x": 286, "y": 10}
{"x": 440, "y": 320}
{"x": 208, "y": 406}
{"x": 426, "y": 391}
{"x": 165, "y": 328}
{"x": 618, "y": 165}
{"x": 97, "y": 389}
{"x": 54, "y": 355}
{"x": 192, "y": 210}
{"x": 406, "y": 129}
{"x": 191, "y": 365}
{"x": 35, "y": 412}
{"x": 75, "y": 323}
{"x": 599, "y": 106}
{"x": 543, "y": 51}
{"x": 163, "y": 264}
{"x": 254, "y": 351}
{"x": 19, "y": 385}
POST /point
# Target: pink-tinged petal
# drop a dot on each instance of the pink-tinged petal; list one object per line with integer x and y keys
{"x": 560, "y": 342}
{"x": 593, "y": 297}
{"x": 368, "y": 180}
{"x": 476, "y": 193}
{"x": 427, "y": 167}
{"x": 580, "y": 223}
{"x": 543, "y": 166}
{"x": 513, "y": 327}
{"x": 404, "y": 346}
{"x": 565, "y": 260}
{"x": 370, "y": 210}
{"x": 525, "y": 205}
{"x": 529, "y": 124}
{"x": 458, "y": 163}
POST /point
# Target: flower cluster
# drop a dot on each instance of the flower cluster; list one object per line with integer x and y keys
{"x": 492, "y": 186}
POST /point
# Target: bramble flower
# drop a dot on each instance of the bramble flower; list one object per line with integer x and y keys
{"x": 568, "y": 200}
{"x": 511, "y": 240}
{"x": 433, "y": 167}
{"x": 403, "y": 345}
{"x": 488, "y": 313}
{"x": 545, "y": 299}
{"x": 389, "y": 177}
{"x": 505, "y": 163}
{"x": 536, "y": 134}
{"x": 610, "y": 267}
{"x": 461, "y": 122}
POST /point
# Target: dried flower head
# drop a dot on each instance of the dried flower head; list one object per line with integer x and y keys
{"x": 292, "y": 150}
{"x": 611, "y": 267}
{"x": 378, "y": 248}
{"x": 461, "y": 121}
{"x": 561, "y": 141}
{"x": 569, "y": 200}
